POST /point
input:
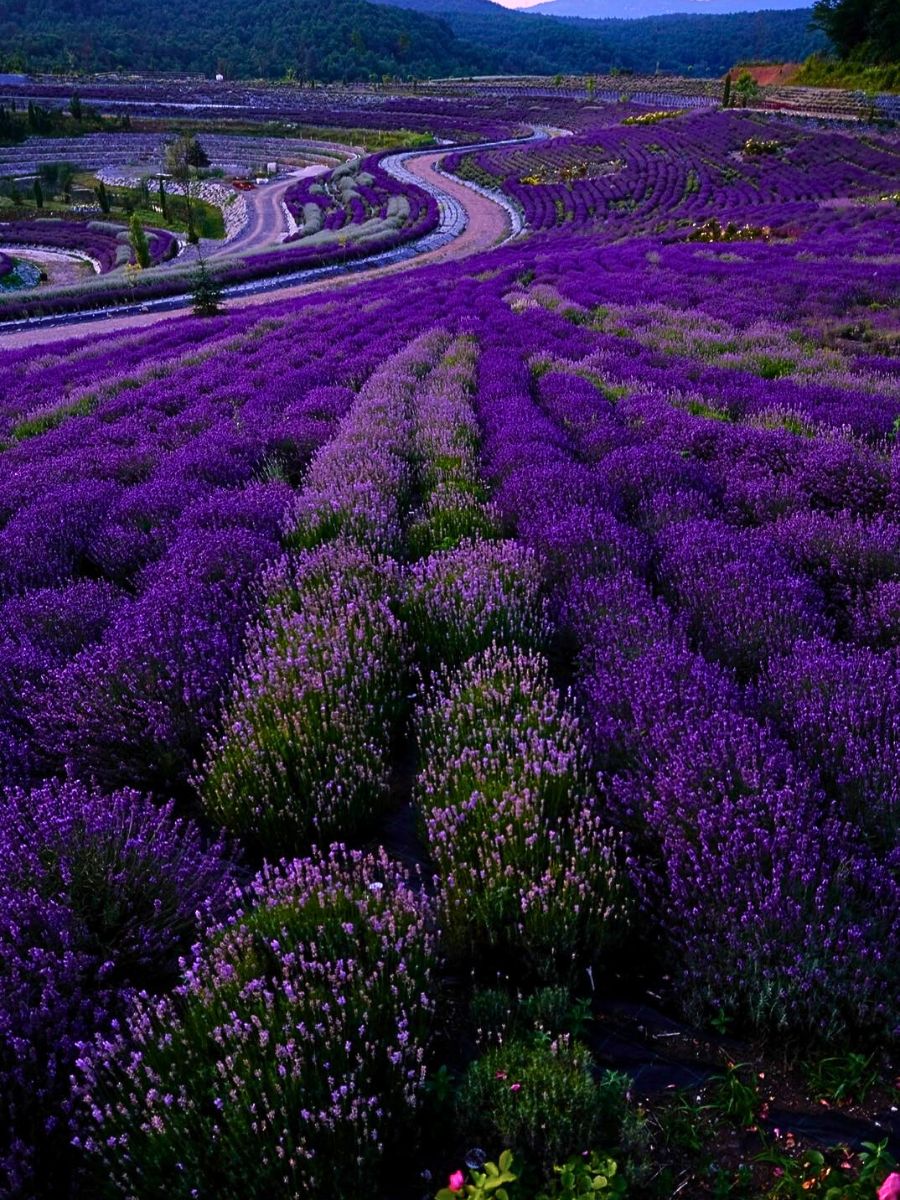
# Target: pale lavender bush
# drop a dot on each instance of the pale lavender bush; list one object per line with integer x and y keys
{"x": 290, "y": 1059}
{"x": 457, "y": 602}
{"x": 528, "y": 867}
{"x": 304, "y": 748}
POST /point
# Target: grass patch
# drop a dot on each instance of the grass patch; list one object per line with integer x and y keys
{"x": 831, "y": 72}
{"x": 34, "y": 426}
{"x": 371, "y": 139}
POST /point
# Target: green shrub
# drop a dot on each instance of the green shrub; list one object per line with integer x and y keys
{"x": 541, "y": 1099}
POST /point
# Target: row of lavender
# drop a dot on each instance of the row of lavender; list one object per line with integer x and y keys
{"x": 685, "y": 168}
{"x": 307, "y": 716}
{"x": 305, "y": 752}
{"x": 105, "y": 243}
{"x": 475, "y": 118}
{"x": 747, "y": 747}
{"x": 124, "y": 615}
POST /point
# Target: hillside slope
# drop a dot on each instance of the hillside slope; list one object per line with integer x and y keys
{"x": 329, "y": 40}
{"x": 343, "y": 40}
{"x": 681, "y": 44}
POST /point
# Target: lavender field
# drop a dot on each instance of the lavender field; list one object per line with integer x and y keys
{"x": 450, "y": 722}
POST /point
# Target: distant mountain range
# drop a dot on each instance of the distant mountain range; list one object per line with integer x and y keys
{"x": 697, "y": 42}
{"x": 597, "y": 10}
{"x": 350, "y": 39}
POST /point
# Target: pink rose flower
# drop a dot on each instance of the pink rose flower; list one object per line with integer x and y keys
{"x": 457, "y": 1179}
{"x": 890, "y": 1189}
{"x": 515, "y": 1087}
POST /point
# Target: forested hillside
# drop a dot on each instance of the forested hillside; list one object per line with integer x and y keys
{"x": 681, "y": 44}
{"x": 334, "y": 40}
{"x": 316, "y": 39}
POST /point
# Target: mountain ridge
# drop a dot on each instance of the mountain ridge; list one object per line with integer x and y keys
{"x": 348, "y": 40}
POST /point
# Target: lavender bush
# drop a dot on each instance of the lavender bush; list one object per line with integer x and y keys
{"x": 541, "y": 1099}
{"x": 304, "y": 749}
{"x": 98, "y": 896}
{"x": 289, "y": 1060}
{"x": 358, "y": 484}
{"x": 529, "y": 870}
{"x": 837, "y": 705}
{"x": 445, "y": 440}
{"x": 135, "y": 706}
{"x": 458, "y": 602}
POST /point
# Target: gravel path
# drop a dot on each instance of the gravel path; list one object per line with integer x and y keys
{"x": 486, "y": 222}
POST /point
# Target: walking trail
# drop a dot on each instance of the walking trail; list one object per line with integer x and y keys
{"x": 487, "y": 223}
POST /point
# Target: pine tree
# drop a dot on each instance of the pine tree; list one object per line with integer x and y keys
{"x": 726, "y": 92}
{"x": 207, "y": 293}
{"x": 38, "y": 194}
{"x": 138, "y": 240}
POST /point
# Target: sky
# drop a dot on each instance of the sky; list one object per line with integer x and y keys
{"x": 529, "y": 3}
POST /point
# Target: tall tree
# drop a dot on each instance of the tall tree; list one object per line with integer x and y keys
{"x": 138, "y": 240}
{"x": 867, "y": 29}
{"x": 103, "y": 197}
{"x": 206, "y": 295}
{"x": 184, "y": 157}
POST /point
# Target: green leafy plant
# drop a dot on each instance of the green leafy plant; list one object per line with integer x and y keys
{"x": 756, "y": 147}
{"x": 876, "y": 1163}
{"x": 684, "y": 1123}
{"x": 804, "y": 1173}
{"x": 840, "y": 1077}
{"x": 541, "y": 1099}
{"x": 720, "y": 1022}
{"x": 585, "y": 1176}
{"x": 737, "y": 1101}
{"x": 491, "y": 1181}
{"x": 798, "y": 1176}
{"x": 441, "y": 1086}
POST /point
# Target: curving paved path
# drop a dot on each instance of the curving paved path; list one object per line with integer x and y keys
{"x": 484, "y": 222}
{"x": 265, "y": 215}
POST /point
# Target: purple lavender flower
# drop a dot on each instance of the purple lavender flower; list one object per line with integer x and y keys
{"x": 98, "y": 896}
{"x": 290, "y": 1059}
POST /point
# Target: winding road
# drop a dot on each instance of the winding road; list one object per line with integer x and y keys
{"x": 472, "y": 220}
{"x": 265, "y": 215}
